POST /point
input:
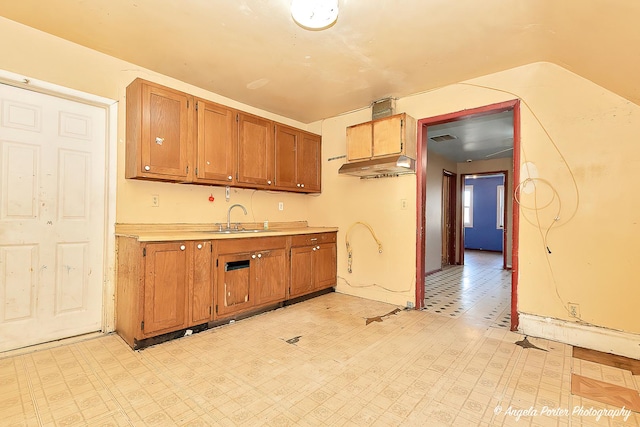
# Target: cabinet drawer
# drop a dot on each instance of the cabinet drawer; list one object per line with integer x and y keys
{"x": 313, "y": 239}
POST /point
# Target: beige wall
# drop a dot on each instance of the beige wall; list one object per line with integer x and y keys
{"x": 41, "y": 56}
{"x": 564, "y": 118}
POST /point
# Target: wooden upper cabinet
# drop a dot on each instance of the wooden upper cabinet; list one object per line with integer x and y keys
{"x": 359, "y": 142}
{"x": 298, "y": 161}
{"x": 255, "y": 151}
{"x": 286, "y": 163}
{"x": 173, "y": 136}
{"x": 393, "y": 135}
{"x": 158, "y": 132}
{"x": 310, "y": 163}
{"x": 216, "y": 144}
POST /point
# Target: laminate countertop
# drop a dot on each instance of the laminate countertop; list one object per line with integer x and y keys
{"x": 175, "y": 232}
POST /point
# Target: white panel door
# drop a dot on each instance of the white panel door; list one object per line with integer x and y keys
{"x": 52, "y": 217}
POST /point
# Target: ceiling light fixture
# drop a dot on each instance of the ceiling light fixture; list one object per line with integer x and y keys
{"x": 314, "y": 14}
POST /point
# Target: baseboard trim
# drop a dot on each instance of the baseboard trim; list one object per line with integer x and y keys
{"x": 576, "y": 334}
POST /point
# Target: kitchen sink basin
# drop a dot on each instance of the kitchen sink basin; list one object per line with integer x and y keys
{"x": 235, "y": 231}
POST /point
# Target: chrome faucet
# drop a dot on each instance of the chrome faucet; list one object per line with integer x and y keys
{"x": 229, "y": 214}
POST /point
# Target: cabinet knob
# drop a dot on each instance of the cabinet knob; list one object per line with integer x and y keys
{"x": 269, "y": 182}
{"x": 159, "y": 140}
{"x": 147, "y": 168}
{"x": 259, "y": 255}
{"x": 314, "y": 248}
{"x": 302, "y": 185}
{"x": 199, "y": 245}
{"x": 253, "y": 256}
{"x": 318, "y": 247}
{"x": 229, "y": 177}
{"x": 183, "y": 247}
{"x": 297, "y": 185}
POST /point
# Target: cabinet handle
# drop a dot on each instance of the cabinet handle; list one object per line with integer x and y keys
{"x": 159, "y": 140}
{"x": 253, "y": 256}
{"x": 147, "y": 168}
{"x": 259, "y": 255}
{"x": 183, "y": 247}
{"x": 229, "y": 177}
{"x": 297, "y": 185}
{"x": 314, "y": 248}
{"x": 302, "y": 185}
{"x": 199, "y": 245}
{"x": 318, "y": 247}
{"x": 269, "y": 182}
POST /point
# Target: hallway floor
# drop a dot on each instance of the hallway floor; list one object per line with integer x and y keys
{"x": 316, "y": 363}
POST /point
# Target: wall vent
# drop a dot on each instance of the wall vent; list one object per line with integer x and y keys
{"x": 443, "y": 138}
{"x": 383, "y": 108}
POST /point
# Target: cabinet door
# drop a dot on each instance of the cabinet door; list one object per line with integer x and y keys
{"x": 165, "y": 287}
{"x": 285, "y": 155}
{"x": 164, "y": 133}
{"x": 324, "y": 266}
{"x": 301, "y": 271}
{"x": 270, "y": 277}
{"x": 255, "y": 151}
{"x": 234, "y": 284}
{"x": 387, "y": 136}
{"x": 359, "y": 142}
{"x": 217, "y": 136}
{"x": 202, "y": 290}
{"x": 309, "y": 163}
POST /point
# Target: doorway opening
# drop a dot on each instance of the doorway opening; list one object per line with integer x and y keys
{"x": 480, "y": 157}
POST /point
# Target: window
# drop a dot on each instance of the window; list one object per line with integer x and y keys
{"x": 467, "y": 205}
{"x": 500, "y": 207}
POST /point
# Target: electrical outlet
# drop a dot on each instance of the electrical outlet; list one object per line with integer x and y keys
{"x": 281, "y": 206}
{"x": 574, "y": 310}
{"x": 155, "y": 200}
{"x": 403, "y": 204}
{"x": 410, "y": 304}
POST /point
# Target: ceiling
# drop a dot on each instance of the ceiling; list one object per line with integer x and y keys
{"x": 476, "y": 138}
{"x": 251, "y": 50}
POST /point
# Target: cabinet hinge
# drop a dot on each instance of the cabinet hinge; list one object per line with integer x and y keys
{"x": 237, "y": 117}
{"x": 216, "y": 263}
{"x": 209, "y": 310}
{"x": 237, "y": 176}
{"x": 187, "y": 169}
{"x": 216, "y": 308}
{"x": 211, "y": 250}
{"x": 144, "y": 251}
{"x": 197, "y": 106}
{"x": 196, "y": 171}
{"x": 187, "y": 103}
{"x": 142, "y": 325}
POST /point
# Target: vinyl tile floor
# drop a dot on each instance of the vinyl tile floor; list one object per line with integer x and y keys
{"x": 414, "y": 368}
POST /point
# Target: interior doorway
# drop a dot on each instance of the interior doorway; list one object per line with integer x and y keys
{"x": 449, "y": 204}
{"x": 508, "y": 108}
{"x": 485, "y": 219}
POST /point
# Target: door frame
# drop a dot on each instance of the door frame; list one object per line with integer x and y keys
{"x": 111, "y": 149}
{"x": 504, "y": 207}
{"x": 421, "y": 194}
{"x": 451, "y": 206}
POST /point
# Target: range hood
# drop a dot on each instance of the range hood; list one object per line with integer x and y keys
{"x": 382, "y": 166}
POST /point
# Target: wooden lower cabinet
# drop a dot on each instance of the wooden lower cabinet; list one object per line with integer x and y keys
{"x": 162, "y": 287}
{"x": 313, "y": 263}
{"x": 250, "y": 273}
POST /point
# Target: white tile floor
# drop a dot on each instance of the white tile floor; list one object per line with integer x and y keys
{"x": 415, "y": 368}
